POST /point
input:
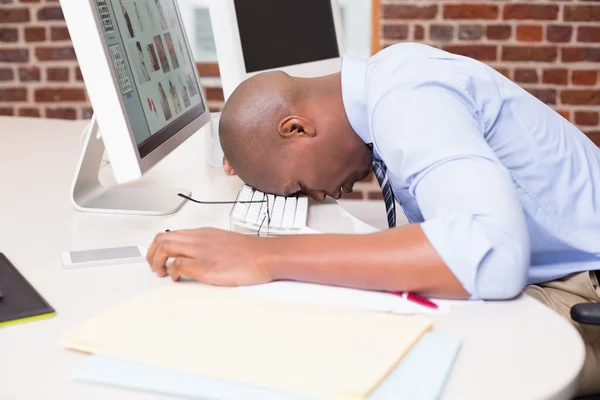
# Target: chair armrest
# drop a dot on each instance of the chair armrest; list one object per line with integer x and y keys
{"x": 586, "y": 313}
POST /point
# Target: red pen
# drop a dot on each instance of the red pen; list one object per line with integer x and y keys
{"x": 415, "y": 298}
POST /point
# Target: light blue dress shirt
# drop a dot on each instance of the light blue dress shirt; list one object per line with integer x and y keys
{"x": 506, "y": 190}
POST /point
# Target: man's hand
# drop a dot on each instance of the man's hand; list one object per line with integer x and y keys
{"x": 211, "y": 256}
{"x": 227, "y": 167}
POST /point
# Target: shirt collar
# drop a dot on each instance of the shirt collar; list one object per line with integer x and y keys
{"x": 354, "y": 95}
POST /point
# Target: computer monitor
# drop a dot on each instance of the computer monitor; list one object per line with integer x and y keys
{"x": 300, "y": 37}
{"x": 143, "y": 85}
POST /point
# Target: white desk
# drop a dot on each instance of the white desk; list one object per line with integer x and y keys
{"x": 511, "y": 350}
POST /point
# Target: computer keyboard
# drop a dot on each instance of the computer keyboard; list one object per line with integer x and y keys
{"x": 285, "y": 216}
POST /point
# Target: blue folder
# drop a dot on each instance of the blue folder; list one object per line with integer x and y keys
{"x": 421, "y": 375}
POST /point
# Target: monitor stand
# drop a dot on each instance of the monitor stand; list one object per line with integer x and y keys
{"x": 90, "y": 195}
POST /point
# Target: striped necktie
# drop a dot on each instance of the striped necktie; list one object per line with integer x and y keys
{"x": 380, "y": 171}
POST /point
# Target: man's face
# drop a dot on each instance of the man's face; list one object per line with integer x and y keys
{"x": 311, "y": 170}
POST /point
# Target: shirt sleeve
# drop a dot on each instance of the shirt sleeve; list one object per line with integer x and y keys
{"x": 430, "y": 137}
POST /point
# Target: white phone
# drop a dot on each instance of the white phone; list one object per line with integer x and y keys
{"x": 108, "y": 256}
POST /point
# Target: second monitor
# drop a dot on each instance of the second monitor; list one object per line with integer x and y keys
{"x": 300, "y": 37}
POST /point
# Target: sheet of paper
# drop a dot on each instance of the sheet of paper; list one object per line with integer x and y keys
{"x": 421, "y": 375}
{"x": 324, "y": 352}
{"x": 345, "y": 297}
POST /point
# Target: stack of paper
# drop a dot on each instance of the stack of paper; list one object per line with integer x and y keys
{"x": 306, "y": 349}
{"x": 421, "y": 375}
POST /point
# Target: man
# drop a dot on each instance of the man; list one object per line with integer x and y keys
{"x": 500, "y": 191}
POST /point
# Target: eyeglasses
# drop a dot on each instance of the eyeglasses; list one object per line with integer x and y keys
{"x": 266, "y": 213}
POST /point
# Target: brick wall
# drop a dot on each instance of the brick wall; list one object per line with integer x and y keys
{"x": 551, "y": 48}
{"x": 39, "y": 76}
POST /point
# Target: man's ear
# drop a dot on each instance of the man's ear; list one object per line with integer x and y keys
{"x": 296, "y": 126}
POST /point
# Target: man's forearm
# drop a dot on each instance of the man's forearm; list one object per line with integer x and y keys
{"x": 391, "y": 260}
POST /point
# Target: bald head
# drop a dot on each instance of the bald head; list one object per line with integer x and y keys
{"x": 283, "y": 134}
{"x": 248, "y": 128}
{"x": 252, "y": 111}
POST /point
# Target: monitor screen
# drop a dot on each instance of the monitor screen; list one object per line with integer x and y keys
{"x": 153, "y": 66}
{"x": 279, "y": 33}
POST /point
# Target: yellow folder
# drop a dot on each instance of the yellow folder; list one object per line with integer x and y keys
{"x": 324, "y": 352}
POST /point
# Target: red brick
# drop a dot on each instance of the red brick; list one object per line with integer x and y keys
{"x": 470, "y": 32}
{"x": 581, "y": 97}
{"x": 29, "y": 112}
{"x": 375, "y": 195}
{"x": 530, "y": 33}
{"x": 556, "y": 76}
{"x": 499, "y": 32}
{"x": 213, "y": 108}
{"x": 14, "y": 15}
{"x": 353, "y": 196}
{"x": 35, "y": 34}
{"x": 7, "y": 111}
{"x": 57, "y": 74}
{"x": 13, "y": 94}
{"x": 8, "y": 35}
{"x": 531, "y": 11}
{"x": 547, "y": 96}
{"x": 478, "y": 52}
{"x": 401, "y": 11}
{"x": 29, "y": 74}
{"x": 584, "y": 77}
{"x": 470, "y": 11}
{"x": 441, "y": 33}
{"x": 504, "y": 71}
{"x": 396, "y": 32}
{"x": 582, "y": 13}
{"x": 55, "y": 53}
{"x": 594, "y": 137}
{"x": 588, "y": 118}
{"x": 588, "y": 34}
{"x": 559, "y": 33}
{"x": 419, "y": 32}
{"x": 78, "y": 74}
{"x": 214, "y": 94}
{"x": 6, "y": 74}
{"x": 578, "y": 54}
{"x": 50, "y": 14}
{"x": 529, "y": 53}
{"x": 50, "y": 95}
{"x": 58, "y": 33}
{"x": 88, "y": 112}
{"x": 61, "y": 113}
{"x": 566, "y": 114}
{"x": 14, "y": 55}
{"x": 526, "y": 75}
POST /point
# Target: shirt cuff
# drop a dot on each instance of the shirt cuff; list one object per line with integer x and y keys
{"x": 461, "y": 243}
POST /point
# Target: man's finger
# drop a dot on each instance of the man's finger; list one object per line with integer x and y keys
{"x": 181, "y": 236}
{"x": 169, "y": 249}
{"x": 184, "y": 266}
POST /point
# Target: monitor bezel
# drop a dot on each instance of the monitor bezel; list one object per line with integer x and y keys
{"x": 231, "y": 57}
{"x": 109, "y": 108}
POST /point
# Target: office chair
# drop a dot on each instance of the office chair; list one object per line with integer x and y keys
{"x": 587, "y": 314}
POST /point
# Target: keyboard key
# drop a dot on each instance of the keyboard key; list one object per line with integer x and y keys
{"x": 254, "y": 210}
{"x": 289, "y": 213}
{"x": 301, "y": 212}
{"x": 277, "y": 212}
